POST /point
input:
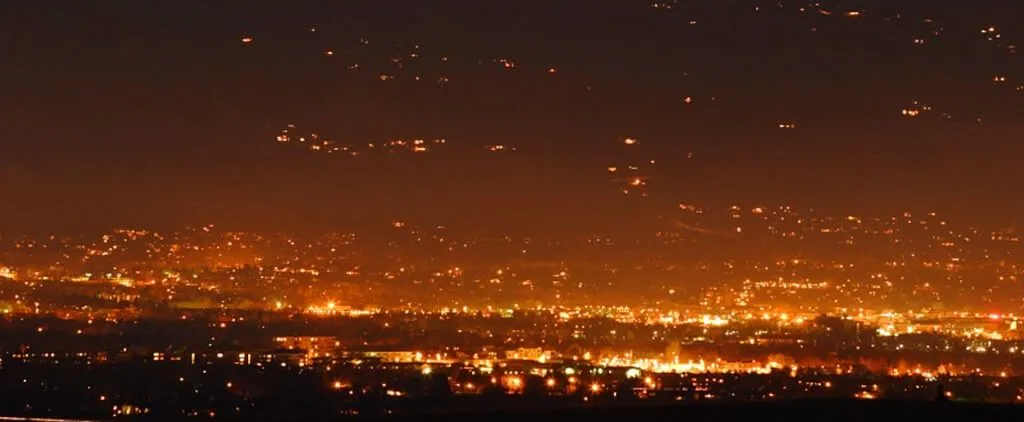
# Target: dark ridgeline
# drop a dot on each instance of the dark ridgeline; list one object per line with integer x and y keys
{"x": 812, "y": 410}
{"x": 298, "y": 407}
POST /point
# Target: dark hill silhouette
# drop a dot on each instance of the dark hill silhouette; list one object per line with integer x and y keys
{"x": 809, "y": 410}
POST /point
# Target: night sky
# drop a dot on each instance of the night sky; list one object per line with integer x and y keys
{"x": 165, "y": 113}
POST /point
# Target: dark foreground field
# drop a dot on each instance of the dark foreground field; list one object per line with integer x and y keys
{"x": 823, "y": 410}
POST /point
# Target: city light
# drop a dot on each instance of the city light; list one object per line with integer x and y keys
{"x": 394, "y": 209}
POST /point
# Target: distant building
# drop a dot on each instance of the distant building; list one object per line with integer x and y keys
{"x": 8, "y": 273}
{"x": 529, "y": 353}
{"x": 315, "y": 346}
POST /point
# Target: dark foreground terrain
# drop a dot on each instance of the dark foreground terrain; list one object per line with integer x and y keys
{"x": 787, "y": 411}
{"x": 813, "y": 410}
